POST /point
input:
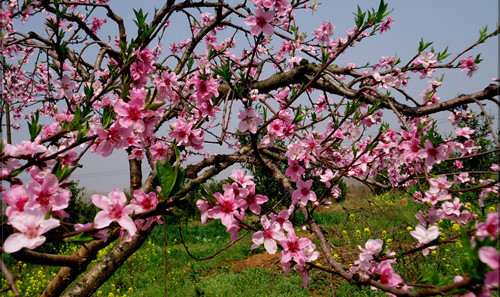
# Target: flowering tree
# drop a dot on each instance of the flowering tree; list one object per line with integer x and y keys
{"x": 245, "y": 71}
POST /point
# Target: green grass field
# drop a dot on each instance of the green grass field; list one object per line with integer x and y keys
{"x": 237, "y": 271}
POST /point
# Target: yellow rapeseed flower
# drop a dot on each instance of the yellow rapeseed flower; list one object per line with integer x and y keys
{"x": 367, "y": 230}
{"x": 409, "y": 228}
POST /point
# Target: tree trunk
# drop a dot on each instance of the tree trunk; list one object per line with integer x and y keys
{"x": 107, "y": 266}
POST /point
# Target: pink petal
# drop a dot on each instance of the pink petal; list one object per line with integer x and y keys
{"x": 15, "y": 242}
{"x": 489, "y": 255}
{"x": 258, "y": 238}
{"x": 128, "y": 224}
{"x": 102, "y": 219}
{"x": 102, "y": 202}
{"x": 270, "y": 245}
{"x": 251, "y": 21}
{"x": 47, "y": 225}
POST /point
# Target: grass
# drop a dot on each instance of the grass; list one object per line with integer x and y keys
{"x": 148, "y": 272}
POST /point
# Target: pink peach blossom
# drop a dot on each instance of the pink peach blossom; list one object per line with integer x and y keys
{"x": 32, "y": 224}
{"x": 114, "y": 208}
{"x": 261, "y": 22}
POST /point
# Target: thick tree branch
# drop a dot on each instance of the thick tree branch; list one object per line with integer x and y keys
{"x": 67, "y": 275}
{"x": 47, "y": 259}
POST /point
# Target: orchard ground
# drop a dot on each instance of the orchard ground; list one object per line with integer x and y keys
{"x": 163, "y": 263}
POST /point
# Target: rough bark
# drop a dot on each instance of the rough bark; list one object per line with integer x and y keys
{"x": 105, "y": 268}
{"x": 67, "y": 275}
{"x": 135, "y": 174}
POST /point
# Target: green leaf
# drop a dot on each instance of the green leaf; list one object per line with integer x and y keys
{"x": 360, "y": 17}
{"x": 80, "y": 238}
{"x": 224, "y": 72}
{"x": 299, "y": 116}
{"x": 177, "y": 155}
{"x": 443, "y": 55}
{"x": 89, "y": 92}
{"x": 83, "y": 130}
{"x": 211, "y": 52}
{"x": 478, "y": 59}
{"x": 423, "y": 45}
{"x": 155, "y": 106}
{"x": 48, "y": 215}
{"x": 141, "y": 18}
{"x": 166, "y": 177}
{"x": 178, "y": 181}
{"x": 190, "y": 63}
{"x": 62, "y": 172}
{"x": 33, "y": 126}
{"x": 483, "y": 33}
{"x": 372, "y": 145}
{"x": 107, "y": 117}
{"x": 324, "y": 56}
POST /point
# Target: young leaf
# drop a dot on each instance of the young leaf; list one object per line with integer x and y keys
{"x": 166, "y": 177}
{"x": 423, "y": 45}
{"x": 179, "y": 180}
{"x": 33, "y": 127}
{"x": 80, "y": 238}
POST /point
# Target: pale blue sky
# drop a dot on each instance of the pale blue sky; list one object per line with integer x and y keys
{"x": 453, "y": 23}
